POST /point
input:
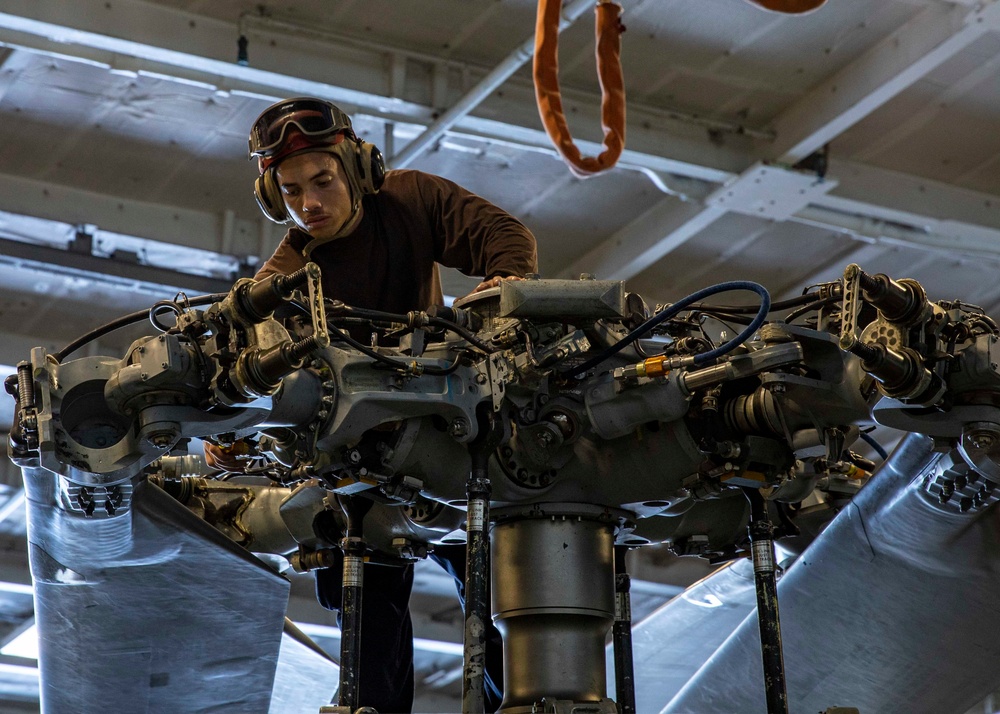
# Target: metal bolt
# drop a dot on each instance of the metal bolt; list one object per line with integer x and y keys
{"x": 982, "y": 440}
{"x": 459, "y": 427}
{"x": 481, "y": 378}
{"x": 354, "y": 456}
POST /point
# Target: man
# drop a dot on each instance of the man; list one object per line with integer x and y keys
{"x": 378, "y": 236}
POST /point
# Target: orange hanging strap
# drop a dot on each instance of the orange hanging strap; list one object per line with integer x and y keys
{"x": 609, "y": 69}
{"x": 790, "y": 7}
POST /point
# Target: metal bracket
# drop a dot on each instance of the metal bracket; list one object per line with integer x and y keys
{"x": 317, "y": 310}
{"x": 770, "y": 192}
{"x": 499, "y": 373}
{"x": 852, "y": 307}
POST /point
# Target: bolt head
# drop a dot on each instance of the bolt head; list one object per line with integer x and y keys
{"x": 458, "y": 428}
{"x": 161, "y": 441}
{"x": 982, "y": 441}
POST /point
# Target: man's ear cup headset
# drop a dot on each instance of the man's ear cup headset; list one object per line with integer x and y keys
{"x": 362, "y": 162}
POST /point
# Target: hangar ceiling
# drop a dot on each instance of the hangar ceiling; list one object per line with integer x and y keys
{"x": 123, "y": 176}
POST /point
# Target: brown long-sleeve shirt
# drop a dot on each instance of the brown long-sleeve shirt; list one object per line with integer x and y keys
{"x": 415, "y": 221}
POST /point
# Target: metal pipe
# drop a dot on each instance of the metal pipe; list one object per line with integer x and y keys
{"x": 474, "y": 97}
{"x": 762, "y": 546}
{"x": 477, "y": 571}
{"x": 622, "y": 636}
{"x": 554, "y": 615}
{"x": 353, "y": 546}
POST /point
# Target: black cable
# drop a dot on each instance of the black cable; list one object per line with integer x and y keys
{"x": 366, "y": 313}
{"x": 124, "y": 321}
{"x": 816, "y": 305}
{"x": 751, "y": 309}
{"x": 726, "y": 317}
{"x": 463, "y": 333}
{"x": 339, "y": 308}
{"x": 390, "y": 361}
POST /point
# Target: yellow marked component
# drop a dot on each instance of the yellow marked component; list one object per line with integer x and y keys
{"x": 652, "y": 367}
{"x": 749, "y": 475}
{"x": 856, "y": 473}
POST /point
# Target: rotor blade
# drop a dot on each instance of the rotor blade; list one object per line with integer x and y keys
{"x": 152, "y": 611}
{"x": 899, "y": 590}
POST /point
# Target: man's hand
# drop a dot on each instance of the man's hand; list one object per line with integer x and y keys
{"x": 494, "y": 282}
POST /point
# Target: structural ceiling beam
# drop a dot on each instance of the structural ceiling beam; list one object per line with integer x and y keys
{"x": 482, "y": 89}
{"x": 171, "y": 225}
{"x": 920, "y": 46}
{"x": 31, "y": 255}
{"x": 132, "y": 35}
{"x": 147, "y": 37}
{"x": 931, "y": 38}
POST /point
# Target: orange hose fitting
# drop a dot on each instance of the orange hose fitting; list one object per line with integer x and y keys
{"x": 653, "y": 367}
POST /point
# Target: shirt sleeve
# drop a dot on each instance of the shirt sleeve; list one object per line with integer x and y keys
{"x": 473, "y": 235}
{"x": 285, "y": 259}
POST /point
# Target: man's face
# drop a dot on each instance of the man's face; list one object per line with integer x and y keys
{"x": 316, "y": 192}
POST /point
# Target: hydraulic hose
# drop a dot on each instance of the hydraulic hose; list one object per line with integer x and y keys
{"x": 674, "y": 309}
{"x": 877, "y": 447}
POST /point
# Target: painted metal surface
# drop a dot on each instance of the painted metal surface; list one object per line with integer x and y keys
{"x": 893, "y": 579}
{"x": 169, "y": 611}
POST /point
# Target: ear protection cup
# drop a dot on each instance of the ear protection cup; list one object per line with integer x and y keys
{"x": 371, "y": 166}
{"x": 268, "y": 195}
{"x": 369, "y": 174}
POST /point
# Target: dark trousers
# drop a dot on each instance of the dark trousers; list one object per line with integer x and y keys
{"x": 386, "y": 666}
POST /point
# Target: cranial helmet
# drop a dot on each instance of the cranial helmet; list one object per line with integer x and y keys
{"x": 302, "y": 124}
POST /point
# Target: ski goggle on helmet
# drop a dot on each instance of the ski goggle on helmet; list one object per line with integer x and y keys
{"x": 312, "y": 117}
